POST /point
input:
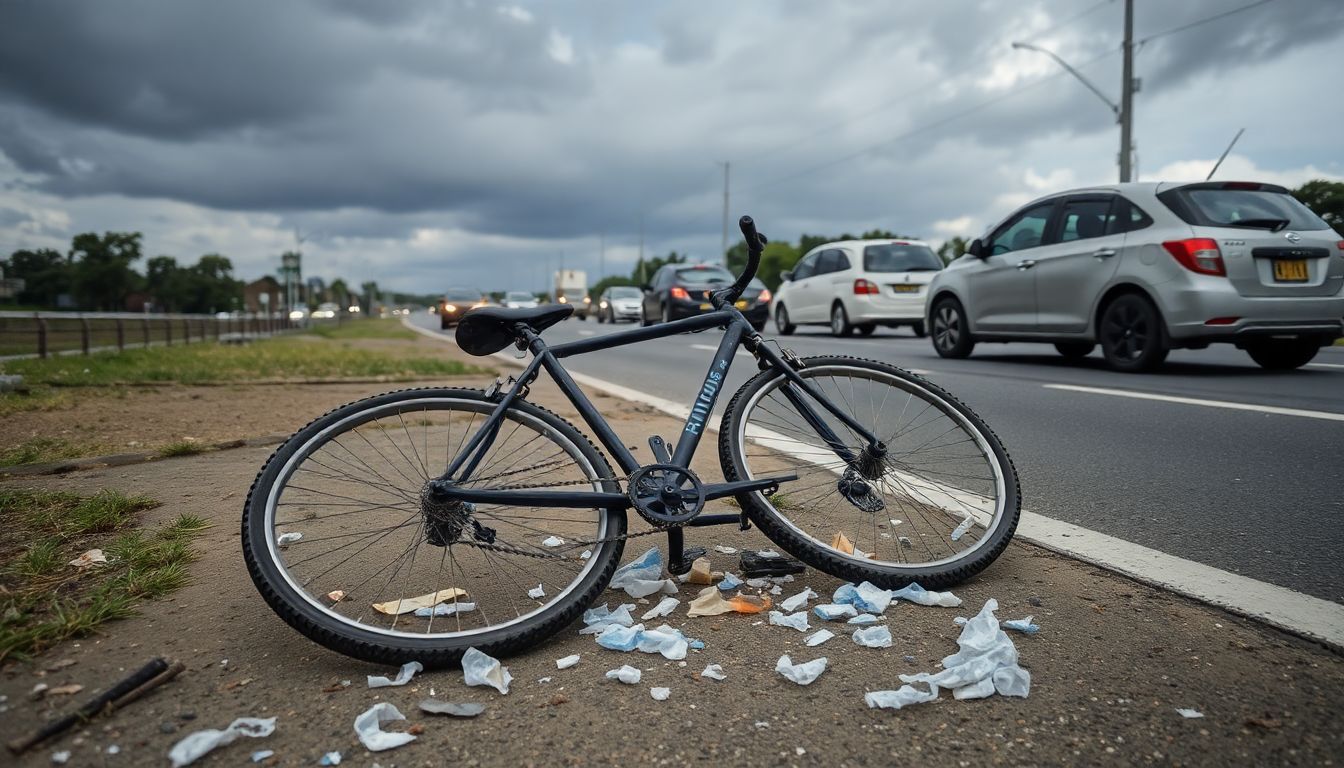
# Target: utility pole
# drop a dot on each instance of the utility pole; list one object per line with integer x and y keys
{"x": 601, "y": 256}
{"x": 641, "y": 247}
{"x": 724, "y": 248}
{"x": 1127, "y": 95}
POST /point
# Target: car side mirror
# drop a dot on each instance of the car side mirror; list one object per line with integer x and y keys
{"x": 977, "y": 249}
{"x": 646, "y": 287}
{"x": 786, "y": 275}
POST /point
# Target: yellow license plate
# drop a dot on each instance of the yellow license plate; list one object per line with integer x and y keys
{"x": 905, "y": 288}
{"x": 1290, "y": 270}
{"x": 705, "y": 306}
{"x": 742, "y": 304}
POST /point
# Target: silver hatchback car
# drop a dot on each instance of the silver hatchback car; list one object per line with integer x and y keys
{"x": 1143, "y": 268}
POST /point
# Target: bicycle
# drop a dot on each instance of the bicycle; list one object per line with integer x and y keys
{"x": 396, "y": 528}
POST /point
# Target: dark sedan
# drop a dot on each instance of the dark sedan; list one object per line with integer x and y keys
{"x": 457, "y": 301}
{"x": 682, "y": 290}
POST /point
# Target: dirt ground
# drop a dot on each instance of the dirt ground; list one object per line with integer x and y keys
{"x": 1110, "y": 666}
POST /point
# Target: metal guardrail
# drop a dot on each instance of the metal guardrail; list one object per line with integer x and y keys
{"x": 42, "y": 334}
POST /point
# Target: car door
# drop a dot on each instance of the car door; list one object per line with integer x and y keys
{"x": 1078, "y": 261}
{"x": 800, "y": 298}
{"x": 1002, "y": 292}
{"x": 652, "y": 302}
{"x": 839, "y": 278}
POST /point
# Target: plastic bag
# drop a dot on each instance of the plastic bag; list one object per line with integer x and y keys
{"x": 660, "y": 694}
{"x": 1021, "y": 625}
{"x": 445, "y": 609}
{"x": 643, "y": 576}
{"x": 796, "y": 621}
{"x": 873, "y": 637}
{"x": 408, "y": 671}
{"x": 798, "y": 601}
{"x": 714, "y": 672}
{"x": 833, "y": 611}
{"x": 802, "y": 674}
{"x": 917, "y": 594}
{"x": 479, "y": 668}
{"x": 372, "y": 736}
{"x": 818, "y": 637}
{"x": 626, "y": 674}
{"x": 863, "y": 618}
{"x": 901, "y": 697}
{"x": 193, "y": 746}
{"x": 866, "y": 597}
{"x": 663, "y": 608}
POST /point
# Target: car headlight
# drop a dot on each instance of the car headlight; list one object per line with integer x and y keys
{"x": 563, "y": 300}
{"x": 765, "y": 296}
{"x": 449, "y": 307}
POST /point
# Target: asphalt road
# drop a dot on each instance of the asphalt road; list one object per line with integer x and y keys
{"x": 1255, "y": 493}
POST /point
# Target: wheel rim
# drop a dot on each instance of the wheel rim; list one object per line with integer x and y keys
{"x": 384, "y": 470}
{"x": 837, "y": 321}
{"x": 941, "y": 469}
{"x": 1127, "y": 331}
{"x": 946, "y": 327}
{"x": 782, "y": 318}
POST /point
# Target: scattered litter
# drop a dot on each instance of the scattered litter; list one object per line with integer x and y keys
{"x": 331, "y": 758}
{"x": 697, "y": 645}
{"x": 701, "y": 572}
{"x": 408, "y": 671}
{"x": 799, "y": 600}
{"x": 758, "y": 583}
{"x": 1021, "y": 625}
{"x": 768, "y": 563}
{"x": 567, "y": 661}
{"x": 796, "y": 621}
{"x": 93, "y": 557}
{"x": 904, "y": 542}
{"x": 445, "y": 609}
{"x": 65, "y": 690}
{"x": 644, "y": 576}
{"x": 833, "y": 611}
{"x": 902, "y": 697}
{"x": 961, "y": 530}
{"x": 801, "y": 674}
{"x": 587, "y": 553}
{"x": 626, "y": 674}
{"x": 479, "y": 668}
{"x": 285, "y": 539}
{"x": 60, "y": 758}
{"x": 599, "y": 618}
{"x": 863, "y": 618}
{"x": 409, "y": 604}
{"x": 660, "y": 694}
{"x": 841, "y": 543}
{"x": 1189, "y": 714}
{"x": 895, "y": 522}
{"x": 113, "y": 750}
{"x": 866, "y": 597}
{"x": 908, "y": 659}
{"x": 714, "y": 672}
{"x": 372, "y": 736}
{"x": 768, "y": 553}
{"x": 262, "y": 754}
{"x": 818, "y": 637}
{"x": 663, "y": 608}
{"x": 761, "y": 724}
{"x": 917, "y": 594}
{"x": 980, "y": 690}
{"x": 193, "y": 746}
{"x": 453, "y": 708}
{"x": 873, "y": 637}
{"x": 776, "y": 590}
{"x": 536, "y": 593}
{"x": 543, "y": 680}
{"x": 552, "y": 541}
{"x": 729, "y": 582}
{"x": 669, "y": 642}
{"x": 710, "y": 602}
{"x": 335, "y": 596}
{"x": 56, "y": 666}
{"x": 725, "y": 550}
{"x": 38, "y": 691}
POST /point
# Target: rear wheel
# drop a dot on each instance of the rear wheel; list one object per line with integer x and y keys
{"x": 1283, "y": 355}
{"x": 782, "y": 323}
{"x": 865, "y": 329}
{"x": 938, "y": 507}
{"x": 667, "y": 313}
{"x": 643, "y": 319}
{"x": 1075, "y": 349}
{"x": 840, "y": 321}
{"x": 1131, "y": 334}
{"x": 951, "y": 336}
{"x": 352, "y": 484}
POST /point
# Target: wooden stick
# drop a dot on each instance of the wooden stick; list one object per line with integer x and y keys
{"x": 135, "y": 683}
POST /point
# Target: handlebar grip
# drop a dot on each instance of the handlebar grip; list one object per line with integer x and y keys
{"x": 755, "y": 240}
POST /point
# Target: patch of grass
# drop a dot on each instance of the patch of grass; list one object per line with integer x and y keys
{"x": 181, "y": 448}
{"x": 36, "y": 399}
{"x": 378, "y": 328}
{"x": 40, "y": 450}
{"x": 43, "y": 600}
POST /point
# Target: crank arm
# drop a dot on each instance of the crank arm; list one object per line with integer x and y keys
{"x": 723, "y": 490}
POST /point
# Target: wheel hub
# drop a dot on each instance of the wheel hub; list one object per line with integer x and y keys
{"x": 665, "y": 493}
{"x": 446, "y": 519}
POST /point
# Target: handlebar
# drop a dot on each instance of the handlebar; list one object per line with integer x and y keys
{"x": 755, "y": 246}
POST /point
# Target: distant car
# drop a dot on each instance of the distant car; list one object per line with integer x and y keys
{"x": 682, "y": 290}
{"x": 857, "y": 285}
{"x": 520, "y": 300}
{"x": 298, "y": 315}
{"x": 1143, "y": 268}
{"x": 619, "y": 302}
{"x": 325, "y": 311}
{"x": 457, "y": 301}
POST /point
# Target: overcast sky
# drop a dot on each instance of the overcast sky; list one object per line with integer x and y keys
{"x": 436, "y": 143}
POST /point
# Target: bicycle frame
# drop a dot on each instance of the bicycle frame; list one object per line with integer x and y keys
{"x": 737, "y": 333}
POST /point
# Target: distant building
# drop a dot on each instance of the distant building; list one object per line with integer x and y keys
{"x": 317, "y": 289}
{"x": 268, "y": 287}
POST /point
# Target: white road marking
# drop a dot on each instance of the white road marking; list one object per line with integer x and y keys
{"x": 1277, "y": 606}
{"x": 1324, "y": 365}
{"x": 1272, "y": 409}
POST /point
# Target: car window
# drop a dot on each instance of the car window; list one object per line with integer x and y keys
{"x": 900, "y": 257}
{"x": 704, "y": 273}
{"x": 1126, "y": 217}
{"x": 623, "y": 292}
{"x": 829, "y": 261}
{"x": 1026, "y": 230}
{"x": 663, "y": 277}
{"x": 807, "y": 267}
{"x": 1239, "y": 206}
{"x": 461, "y": 294}
{"x": 1081, "y": 219}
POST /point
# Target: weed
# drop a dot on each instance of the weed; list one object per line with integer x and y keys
{"x": 181, "y": 448}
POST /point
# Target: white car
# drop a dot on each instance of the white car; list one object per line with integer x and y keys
{"x": 857, "y": 285}
{"x": 520, "y": 300}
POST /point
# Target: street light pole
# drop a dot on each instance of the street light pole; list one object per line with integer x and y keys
{"x": 724, "y": 244}
{"x": 1127, "y": 94}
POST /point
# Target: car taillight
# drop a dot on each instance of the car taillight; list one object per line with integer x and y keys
{"x": 1340, "y": 245}
{"x": 862, "y": 287}
{"x": 680, "y": 293}
{"x": 765, "y": 296}
{"x": 1198, "y": 254}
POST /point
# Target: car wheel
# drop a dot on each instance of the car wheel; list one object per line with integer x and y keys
{"x": 840, "y": 321}
{"x": 601, "y": 318}
{"x": 951, "y": 336}
{"x": 667, "y": 313}
{"x": 865, "y": 329}
{"x": 611, "y": 316}
{"x": 1131, "y": 334}
{"x": 643, "y": 319}
{"x": 919, "y": 329}
{"x": 1283, "y": 355}
{"x": 782, "y": 323}
{"x": 1075, "y": 350}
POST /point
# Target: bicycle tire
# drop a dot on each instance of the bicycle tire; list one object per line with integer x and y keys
{"x": 433, "y": 651}
{"x": 781, "y": 530}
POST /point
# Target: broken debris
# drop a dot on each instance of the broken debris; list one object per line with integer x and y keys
{"x": 917, "y": 594}
{"x": 285, "y": 539}
{"x": 663, "y": 608}
{"x": 833, "y": 611}
{"x": 660, "y": 694}
{"x": 796, "y": 621}
{"x": 91, "y": 557}
{"x": 714, "y": 672}
{"x": 1189, "y": 714}
{"x": 1021, "y": 625}
{"x": 372, "y": 736}
{"x": 453, "y": 708}
{"x": 445, "y": 609}
{"x": 873, "y": 637}
{"x": 711, "y": 602}
{"x": 799, "y": 600}
{"x": 190, "y": 748}
{"x": 404, "y": 676}
{"x": 818, "y": 637}
{"x": 626, "y": 674}
{"x": 643, "y": 576}
{"x": 409, "y": 604}
{"x": 567, "y": 662}
{"x": 866, "y": 597}
{"x": 479, "y": 668}
{"x": 802, "y": 674}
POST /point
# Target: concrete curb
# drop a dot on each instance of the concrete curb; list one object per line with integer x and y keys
{"x": 124, "y": 459}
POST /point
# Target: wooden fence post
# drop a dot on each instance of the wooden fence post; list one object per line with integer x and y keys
{"x": 121, "y": 335}
{"x": 84, "y": 334}
{"x": 41, "y": 336}
{"x": 144, "y": 327}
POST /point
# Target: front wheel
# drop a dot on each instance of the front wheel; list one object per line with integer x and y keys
{"x": 937, "y": 507}
{"x": 951, "y": 332}
{"x": 782, "y": 323}
{"x": 840, "y": 321}
{"x": 339, "y": 532}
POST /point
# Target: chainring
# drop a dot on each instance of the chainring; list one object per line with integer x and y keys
{"x": 665, "y": 493}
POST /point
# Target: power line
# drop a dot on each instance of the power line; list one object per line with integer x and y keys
{"x": 1068, "y": 21}
{"x": 1203, "y": 21}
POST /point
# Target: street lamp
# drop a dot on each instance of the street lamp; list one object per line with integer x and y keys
{"x": 1122, "y": 115}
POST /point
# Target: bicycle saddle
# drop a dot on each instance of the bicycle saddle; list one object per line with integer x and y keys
{"x": 486, "y": 330}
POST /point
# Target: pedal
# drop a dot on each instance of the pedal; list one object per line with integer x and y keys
{"x": 661, "y": 454}
{"x": 688, "y": 556}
